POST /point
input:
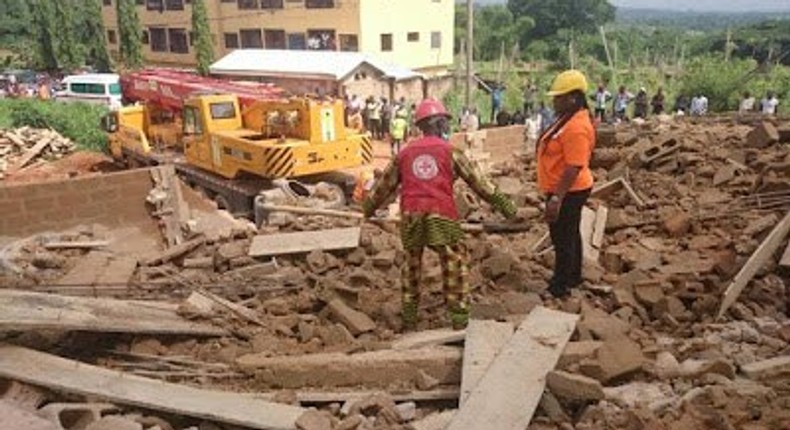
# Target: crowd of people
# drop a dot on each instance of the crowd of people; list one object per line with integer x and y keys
{"x": 384, "y": 120}
{"x": 43, "y": 87}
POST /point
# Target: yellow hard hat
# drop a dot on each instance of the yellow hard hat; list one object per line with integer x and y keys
{"x": 567, "y": 81}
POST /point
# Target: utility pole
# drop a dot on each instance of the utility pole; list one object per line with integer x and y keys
{"x": 470, "y": 27}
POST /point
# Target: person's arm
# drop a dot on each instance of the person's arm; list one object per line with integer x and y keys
{"x": 383, "y": 189}
{"x": 577, "y": 150}
{"x": 482, "y": 186}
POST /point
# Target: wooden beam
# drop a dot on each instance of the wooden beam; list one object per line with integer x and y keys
{"x": 60, "y": 374}
{"x": 22, "y": 310}
{"x": 304, "y": 241}
{"x": 785, "y": 261}
{"x": 508, "y": 394}
{"x": 755, "y": 262}
{"x": 425, "y": 338}
{"x": 30, "y": 154}
{"x": 77, "y": 245}
{"x": 485, "y": 341}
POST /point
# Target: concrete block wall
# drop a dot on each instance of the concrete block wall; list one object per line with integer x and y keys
{"x": 501, "y": 143}
{"x": 113, "y": 200}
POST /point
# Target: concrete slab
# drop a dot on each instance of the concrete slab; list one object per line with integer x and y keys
{"x": 306, "y": 241}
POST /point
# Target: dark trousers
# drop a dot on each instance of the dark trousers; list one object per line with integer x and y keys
{"x": 567, "y": 241}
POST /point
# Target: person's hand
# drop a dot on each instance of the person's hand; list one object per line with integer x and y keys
{"x": 552, "y": 210}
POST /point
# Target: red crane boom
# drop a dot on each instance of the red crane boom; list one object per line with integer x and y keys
{"x": 169, "y": 88}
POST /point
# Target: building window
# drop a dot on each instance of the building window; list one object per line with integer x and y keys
{"x": 179, "y": 43}
{"x": 413, "y": 36}
{"x": 297, "y": 41}
{"x": 158, "y": 39}
{"x": 436, "y": 39}
{"x": 111, "y": 37}
{"x": 251, "y": 38}
{"x": 248, "y": 4}
{"x": 107, "y": 2}
{"x": 274, "y": 39}
{"x": 386, "y": 42}
{"x": 320, "y": 4}
{"x": 321, "y": 40}
{"x": 231, "y": 40}
{"x": 349, "y": 42}
{"x": 174, "y": 4}
{"x": 144, "y": 38}
{"x": 271, "y": 4}
{"x": 155, "y": 5}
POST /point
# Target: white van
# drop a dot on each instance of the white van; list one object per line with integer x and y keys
{"x": 101, "y": 88}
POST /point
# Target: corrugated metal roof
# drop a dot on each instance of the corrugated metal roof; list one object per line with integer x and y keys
{"x": 337, "y": 65}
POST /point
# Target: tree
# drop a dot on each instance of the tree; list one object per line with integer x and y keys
{"x": 550, "y": 16}
{"x": 130, "y": 34}
{"x": 93, "y": 32}
{"x": 202, "y": 34}
{"x": 499, "y": 27}
{"x": 44, "y": 25}
{"x": 70, "y": 53}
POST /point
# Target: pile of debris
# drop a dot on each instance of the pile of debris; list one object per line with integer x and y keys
{"x": 22, "y": 146}
{"x": 682, "y": 322}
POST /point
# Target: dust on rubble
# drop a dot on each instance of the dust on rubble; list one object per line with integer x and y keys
{"x": 647, "y": 337}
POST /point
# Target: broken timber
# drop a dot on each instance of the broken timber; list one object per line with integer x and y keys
{"x": 30, "y": 154}
{"x": 21, "y": 310}
{"x": 755, "y": 262}
{"x": 305, "y": 241}
{"x": 616, "y": 184}
{"x": 509, "y": 392}
{"x": 785, "y": 261}
{"x": 61, "y": 374}
{"x": 483, "y": 344}
{"x": 175, "y": 252}
{"x": 76, "y": 245}
{"x": 425, "y": 338}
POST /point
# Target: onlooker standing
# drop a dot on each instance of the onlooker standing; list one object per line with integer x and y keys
{"x": 497, "y": 95}
{"x": 658, "y": 102}
{"x": 374, "y": 117}
{"x": 398, "y": 132}
{"x": 640, "y": 104}
{"x": 681, "y": 104}
{"x": 530, "y": 96}
{"x": 747, "y": 103}
{"x": 601, "y": 97}
{"x": 546, "y": 116}
{"x": 564, "y": 152}
{"x": 518, "y": 118}
{"x": 621, "y": 101}
{"x": 769, "y": 105}
{"x": 472, "y": 122}
{"x": 386, "y": 117}
{"x": 699, "y": 105}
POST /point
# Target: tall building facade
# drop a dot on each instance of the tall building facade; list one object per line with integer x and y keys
{"x": 417, "y": 34}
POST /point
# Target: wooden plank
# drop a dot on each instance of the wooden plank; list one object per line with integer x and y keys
{"x": 175, "y": 251}
{"x": 22, "y": 310}
{"x": 586, "y": 228}
{"x": 755, "y": 262}
{"x": 428, "y": 338}
{"x": 13, "y": 418}
{"x": 599, "y": 227}
{"x": 77, "y": 245}
{"x": 508, "y": 394}
{"x": 305, "y": 241}
{"x": 785, "y": 260}
{"x": 61, "y": 374}
{"x": 30, "y": 154}
{"x": 485, "y": 340}
{"x": 312, "y": 397}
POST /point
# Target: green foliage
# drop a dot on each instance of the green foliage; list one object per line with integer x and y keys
{"x": 77, "y": 121}
{"x": 550, "y": 16}
{"x": 93, "y": 33}
{"x": 45, "y": 35}
{"x": 202, "y": 32}
{"x": 70, "y": 54}
{"x": 130, "y": 34}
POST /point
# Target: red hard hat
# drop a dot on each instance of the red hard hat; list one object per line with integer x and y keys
{"x": 428, "y": 108}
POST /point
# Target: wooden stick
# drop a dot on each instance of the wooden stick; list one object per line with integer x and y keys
{"x": 77, "y": 245}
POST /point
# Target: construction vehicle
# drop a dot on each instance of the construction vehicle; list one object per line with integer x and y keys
{"x": 231, "y": 140}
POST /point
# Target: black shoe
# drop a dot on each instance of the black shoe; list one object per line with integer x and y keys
{"x": 559, "y": 292}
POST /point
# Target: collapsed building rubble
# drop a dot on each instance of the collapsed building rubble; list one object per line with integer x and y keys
{"x": 683, "y": 211}
{"x": 22, "y": 146}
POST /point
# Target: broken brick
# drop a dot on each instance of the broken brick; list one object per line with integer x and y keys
{"x": 762, "y": 136}
{"x": 574, "y": 387}
{"x": 356, "y": 321}
{"x": 677, "y": 224}
{"x": 614, "y": 359}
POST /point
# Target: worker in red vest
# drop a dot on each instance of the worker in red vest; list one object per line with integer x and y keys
{"x": 425, "y": 171}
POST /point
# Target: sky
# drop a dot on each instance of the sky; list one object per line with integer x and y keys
{"x": 696, "y": 5}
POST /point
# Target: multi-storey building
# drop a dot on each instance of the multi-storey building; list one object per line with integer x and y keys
{"x": 417, "y": 34}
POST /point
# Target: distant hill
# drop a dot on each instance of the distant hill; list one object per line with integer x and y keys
{"x": 694, "y": 20}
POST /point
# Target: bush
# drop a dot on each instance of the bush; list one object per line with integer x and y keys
{"x": 80, "y": 122}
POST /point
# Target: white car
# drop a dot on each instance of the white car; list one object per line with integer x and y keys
{"x": 100, "y": 88}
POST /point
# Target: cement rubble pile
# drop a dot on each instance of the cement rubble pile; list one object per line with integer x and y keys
{"x": 682, "y": 210}
{"x": 23, "y": 146}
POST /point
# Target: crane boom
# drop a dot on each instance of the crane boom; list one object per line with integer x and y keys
{"x": 169, "y": 88}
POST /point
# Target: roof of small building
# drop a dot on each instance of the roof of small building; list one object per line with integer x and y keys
{"x": 278, "y": 62}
